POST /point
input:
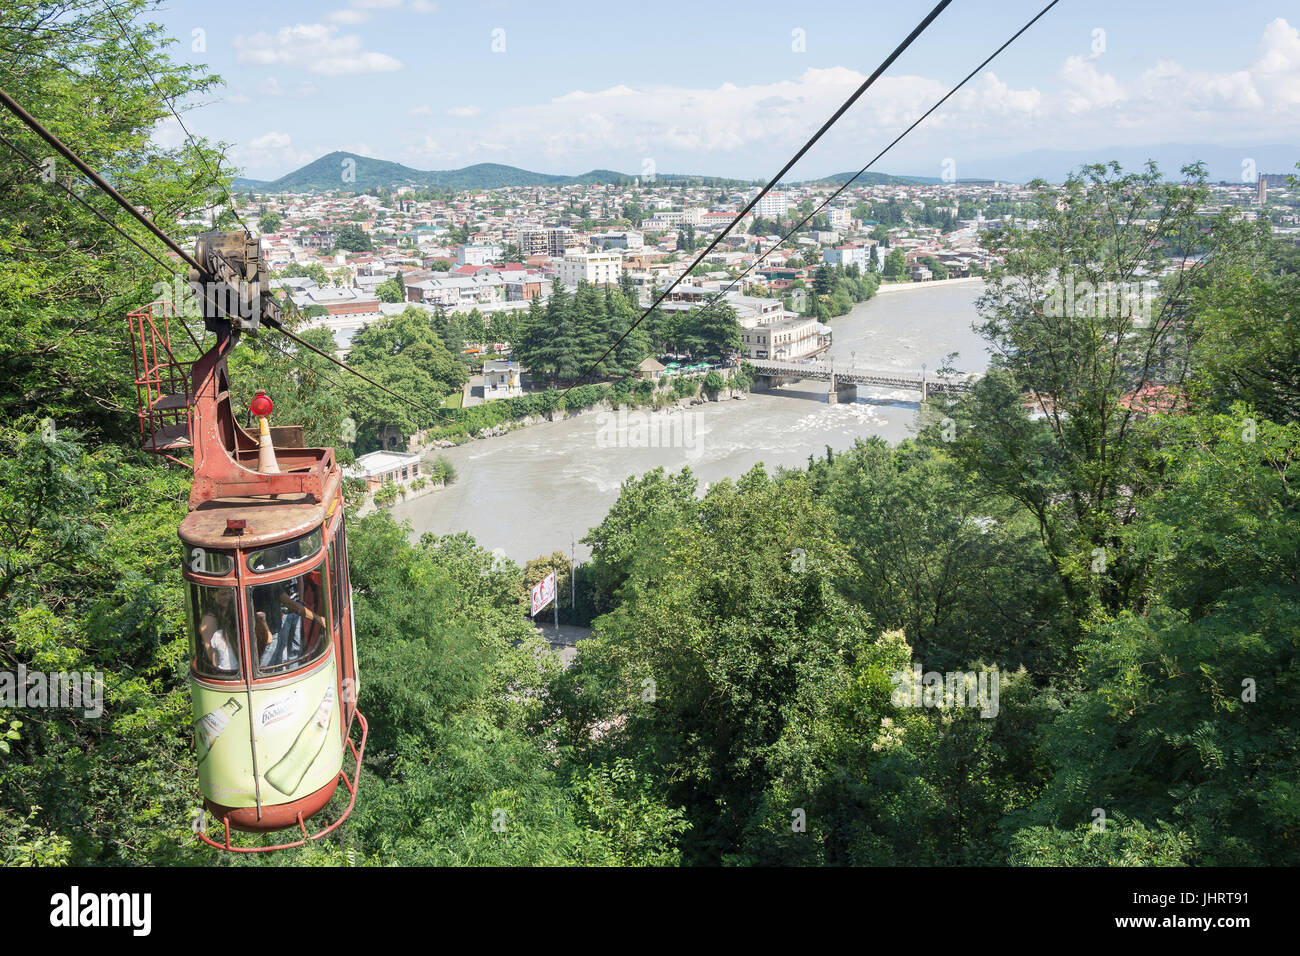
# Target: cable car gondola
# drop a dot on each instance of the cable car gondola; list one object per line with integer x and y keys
{"x": 273, "y": 672}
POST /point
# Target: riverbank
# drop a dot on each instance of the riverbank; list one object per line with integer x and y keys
{"x": 534, "y": 490}
{"x": 888, "y": 287}
{"x": 665, "y": 397}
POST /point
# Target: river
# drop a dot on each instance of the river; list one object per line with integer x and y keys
{"x": 532, "y": 491}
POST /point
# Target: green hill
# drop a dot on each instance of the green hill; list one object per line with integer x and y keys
{"x": 879, "y": 179}
{"x": 326, "y": 174}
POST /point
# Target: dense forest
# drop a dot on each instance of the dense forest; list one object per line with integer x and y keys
{"x": 1106, "y": 523}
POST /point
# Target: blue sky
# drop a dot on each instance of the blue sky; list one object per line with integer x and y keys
{"x": 728, "y": 89}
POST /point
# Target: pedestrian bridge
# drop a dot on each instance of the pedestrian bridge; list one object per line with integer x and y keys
{"x": 843, "y": 379}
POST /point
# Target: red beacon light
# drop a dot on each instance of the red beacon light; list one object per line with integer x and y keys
{"x": 262, "y": 405}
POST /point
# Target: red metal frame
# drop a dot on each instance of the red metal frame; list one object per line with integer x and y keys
{"x": 162, "y": 384}
{"x": 186, "y": 405}
{"x": 357, "y": 754}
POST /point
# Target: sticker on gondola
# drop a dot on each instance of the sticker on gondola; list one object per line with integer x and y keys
{"x": 282, "y": 709}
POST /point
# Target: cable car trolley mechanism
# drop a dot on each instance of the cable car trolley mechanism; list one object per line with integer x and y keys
{"x": 273, "y": 672}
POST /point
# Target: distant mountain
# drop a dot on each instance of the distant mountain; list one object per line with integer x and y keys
{"x": 878, "y": 179}
{"x": 327, "y": 175}
{"x": 1224, "y": 163}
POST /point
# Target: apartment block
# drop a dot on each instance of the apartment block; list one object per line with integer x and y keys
{"x": 598, "y": 268}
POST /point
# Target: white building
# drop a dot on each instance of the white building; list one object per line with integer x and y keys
{"x": 786, "y": 340}
{"x": 598, "y": 268}
{"x": 478, "y": 255}
{"x": 848, "y": 255}
{"x": 502, "y": 379}
{"x": 381, "y": 467}
{"x": 772, "y": 206}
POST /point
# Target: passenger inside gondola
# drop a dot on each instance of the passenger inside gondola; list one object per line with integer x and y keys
{"x": 217, "y": 652}
{"x": 289, "y": 620}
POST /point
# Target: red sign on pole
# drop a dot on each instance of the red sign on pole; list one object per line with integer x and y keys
{"x": 543, "y": 593}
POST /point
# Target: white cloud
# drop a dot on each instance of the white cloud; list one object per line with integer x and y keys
{"x": 271, "y": 150}
{"x": 272, "y": 140}
{"x": 1086, "y": 88}
{"x": 316, "y": 47}
{"x": 421, "y": 111}
{"x": 271, "y": 87}
{"x": 424, "y": 6}
{"x": 347, "y": 17}
{"x": 663, "y": 121}
{"x": 463, "y": 111}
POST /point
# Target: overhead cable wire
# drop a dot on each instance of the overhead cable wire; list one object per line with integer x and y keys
{"x": 171, "y": 106}
{"x": 875, "y": 159}
{"x": 35, "y": 125}
{"x": 844, "y": 107}
{"x": 63, "y": 150}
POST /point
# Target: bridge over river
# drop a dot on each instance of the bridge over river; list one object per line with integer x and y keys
{"x": 842, "y": 381}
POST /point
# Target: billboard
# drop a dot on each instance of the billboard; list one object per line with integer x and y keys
{"x": 543, "y": 593}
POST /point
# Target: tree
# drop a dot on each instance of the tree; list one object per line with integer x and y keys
{"x": 316, "y": 272}
{"x": 406, "y": 355}
{"x": 1079, "y": 338}
{"x": 895, "y": 264}
{"x": 937, "y": 268}
{"x": 715, "y": 622}
{"x": 391, "y": 290}
{"x": 269, "y": 222}
{"x": 353, "y": 238}
{"x": 823, "y": 279}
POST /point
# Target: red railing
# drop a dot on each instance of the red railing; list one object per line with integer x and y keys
{"x": 162, "y": 383}
{"x": 357, "y": 754}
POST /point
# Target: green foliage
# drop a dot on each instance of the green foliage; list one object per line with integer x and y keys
{"x": 737, "y": 702}
{"x": 391, "y": 290}
{"x": 405, "y": 354}
{"x": 353, "y": 238}
{"x": 443, "y": 470}
{"x": 895, "y": 265}
{"x": 1078, "y": 468}
{"x": 571, "y": 333}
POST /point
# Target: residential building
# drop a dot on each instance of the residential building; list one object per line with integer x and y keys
{"x": 598, "y": 268}
{"x": 786, "y": 340}
{"x": 381, "y": 467}
{"x": 502, "y": 379}
{"x": 772, "y": 206}
{"x": 478, "y": 255}
{"x": 847, "y": 255}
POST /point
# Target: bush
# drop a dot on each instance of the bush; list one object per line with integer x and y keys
{"x": 744, "y": 377}
{"x": 714, "y": 382}
{"x": 386, "y": 495}
{"x": 444, "y": 470}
